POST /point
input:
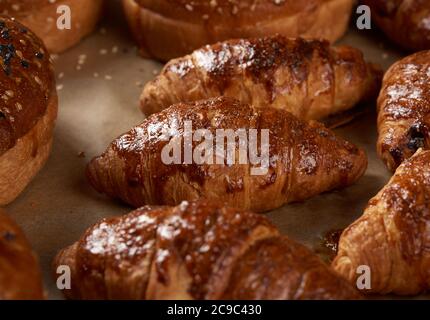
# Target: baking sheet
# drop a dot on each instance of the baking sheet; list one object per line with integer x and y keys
{"x": 99, "y": 84}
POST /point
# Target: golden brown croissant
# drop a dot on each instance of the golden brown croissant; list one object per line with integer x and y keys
{"x": 301, "y": 159}
{"x": 20, "y": 277}
{"x": 404, "y": 109}
{"x": 196, "y": 250}
{"x": 403, "y": 21}
{"x": 305, "y": 77}
{"x": 392, "y": 237}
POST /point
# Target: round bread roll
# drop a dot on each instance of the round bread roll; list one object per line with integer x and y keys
{"x": 405, "y": 22}
{"x": 167, "y": 29}
{"x": 28, "y": 107}
{"x": 41, "y": 17}
{"x": 20, "y": 275}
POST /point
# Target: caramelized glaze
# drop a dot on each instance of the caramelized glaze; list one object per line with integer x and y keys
{"x": 306, "y": 77}
{"x": 279, "y": 269}
{"x": 304, "y": 159}
{"x": 404, "y": 108}
{"x": 406, "y": 22}
{"x": 197, "y": 250}
{"x": 26, "y": 81}
{"x": 392, "y": 237}
{"x": 20, "y": 276}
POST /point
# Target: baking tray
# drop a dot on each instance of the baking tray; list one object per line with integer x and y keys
{"x": 99, "y": 83}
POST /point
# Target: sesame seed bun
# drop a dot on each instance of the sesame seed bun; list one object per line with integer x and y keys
{"x": 165, "y": 29}
{"x": 28, "y": 107}
{"x": 41, "y": 16}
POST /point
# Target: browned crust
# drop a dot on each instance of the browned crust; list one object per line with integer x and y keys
{"x": 21, "y": 163}
{"x": 392, "y": 237}
{"x": 404, "y": 109}
{"x": 197, "y": 250}
{"x": 20, "y": 275}
{"x": 308, "y": 78}
{"x": 306, "y": 159}
{"x": 168, "y": 29}
{"x": 405, "y": 22}
{"x": 28, "y": 107}
{"x": 41, "y": 18}
{"x": 27, "y": 81}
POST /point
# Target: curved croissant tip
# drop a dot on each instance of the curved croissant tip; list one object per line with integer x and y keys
{"x": 342, "y": 264}
{"x": 359, "y": 165}
{"x": 362, "y": 167}
{"x": 91, "y": 172}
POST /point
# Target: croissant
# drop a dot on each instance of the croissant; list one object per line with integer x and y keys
{"x": 404, "y": 21}
{"x": 392, "y": 237}
{"x": 298, "y": 159}
{"x": 403, "y": 108}
{"x": 20, "y": 276}
{"x": 305, "y": 77}
{"x": 197, "y": 250}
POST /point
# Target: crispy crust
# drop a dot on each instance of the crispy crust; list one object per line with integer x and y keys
{"x": 28, "y": 107}
{"x": 20, "y": 164}
{"x": 41, "y": 18}
{"x": 392, "y": 237}
{"x": 405, "y": 22}
{"x": 308, "y": 78}
{"x": 197, "y": 250}
{"x": 20, "y": 276}
{"x": 308, "y": 159}
{"x": 167, "y": 29}
{"x": 403, "y": 109}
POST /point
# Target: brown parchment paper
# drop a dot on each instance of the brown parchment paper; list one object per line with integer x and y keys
{"x": 99, "y": 84}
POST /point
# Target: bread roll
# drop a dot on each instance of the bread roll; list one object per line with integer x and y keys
{"x": 166, "y": 29}
{"x": 405, "y": 22}
{"x": 20, "y": 276}
{"x": 41, "y": 16}
{"x": 28, "y": 107}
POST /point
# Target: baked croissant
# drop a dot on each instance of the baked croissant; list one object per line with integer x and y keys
{"x": 305, "y": 77}
{"x": 403, "y": 21}
{"x": 196, "y": 250}
{"x": 404, "y": 109}
{"x": 20, "y": 276}
{"x": 392, "y": 237}
{"x": 298, "y": 160}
